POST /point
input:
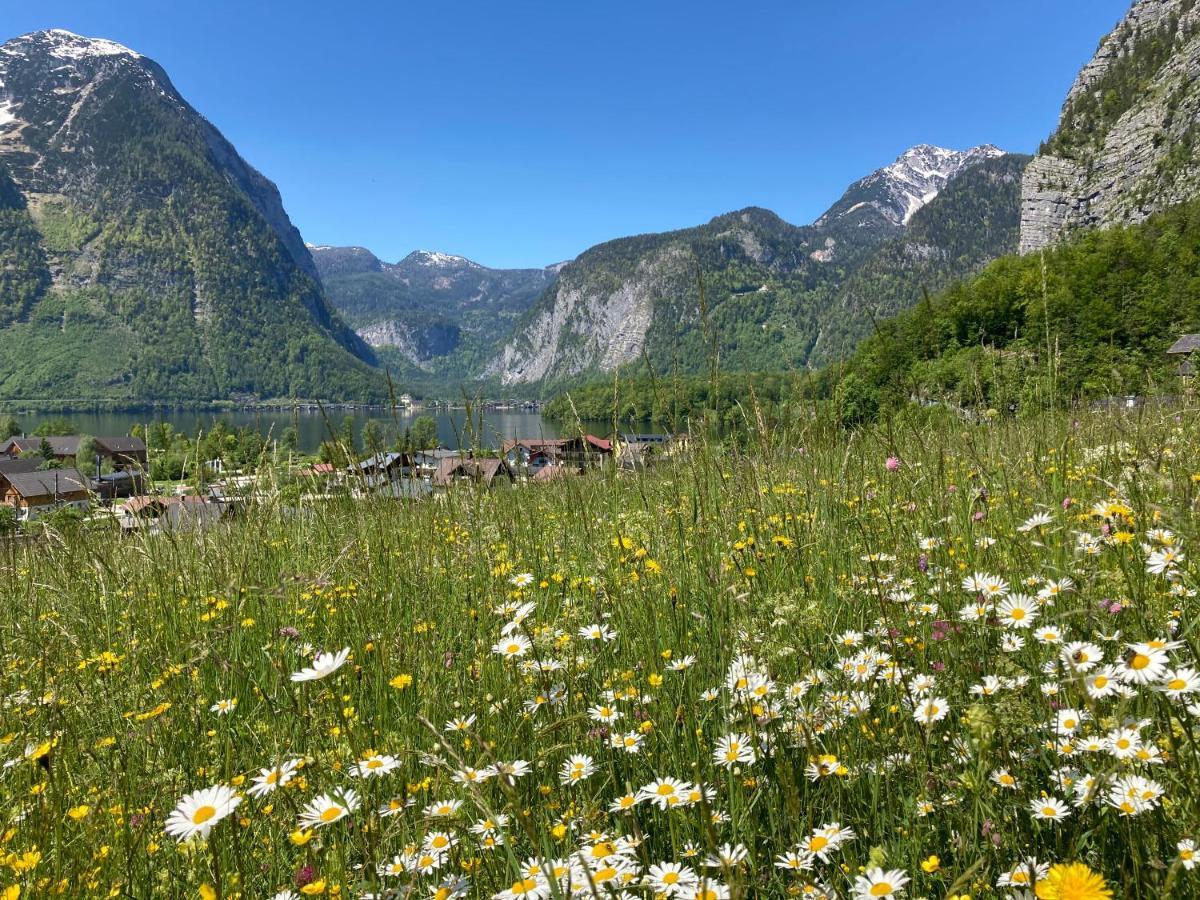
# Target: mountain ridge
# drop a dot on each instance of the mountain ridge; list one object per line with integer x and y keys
{"x": 621, "y": 298}
{"x": 165, "y": 265}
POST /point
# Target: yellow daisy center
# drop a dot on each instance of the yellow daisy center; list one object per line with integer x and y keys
{"x": 203, "y": 814}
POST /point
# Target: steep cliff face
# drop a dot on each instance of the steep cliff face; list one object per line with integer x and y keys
{"x": 1127, "y": 143}
{"x": 776, "y": 296}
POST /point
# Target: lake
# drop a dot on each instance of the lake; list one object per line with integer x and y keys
{"x": 497, "y": 425}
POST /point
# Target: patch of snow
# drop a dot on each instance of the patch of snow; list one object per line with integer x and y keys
{"x": 433, "y": 258}
{"x": 65, "y": 46}
{"x": 68, "y": 45}
{"x": 6, "y": 115}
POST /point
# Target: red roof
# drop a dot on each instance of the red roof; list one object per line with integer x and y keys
{"x": 600, "y": 443}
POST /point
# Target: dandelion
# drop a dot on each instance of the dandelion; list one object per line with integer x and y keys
{"x": 197, "y": 813}
{"x": 324, "y": 665}
{"x": 1072, "y": 881}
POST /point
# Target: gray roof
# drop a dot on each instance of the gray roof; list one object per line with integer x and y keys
{"x": 47, "y": 482}
{"x": 1189, "y": 343}
{"x": 381, "y": 461}
{"x": 60, "y": 445}
{"x": 11, "y": 466}
{"x": 122, "y": 444}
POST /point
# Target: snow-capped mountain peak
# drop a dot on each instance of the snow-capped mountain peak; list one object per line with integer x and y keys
{"x": 433, "y": 258}
{"x": 900, "y": 190}
{"x": 66, "y": 46}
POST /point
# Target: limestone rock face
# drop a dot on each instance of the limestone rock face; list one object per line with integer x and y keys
{"x": 1127, "y": 143}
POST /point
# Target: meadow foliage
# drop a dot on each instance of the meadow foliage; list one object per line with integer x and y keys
{"x": 891, "y": 663}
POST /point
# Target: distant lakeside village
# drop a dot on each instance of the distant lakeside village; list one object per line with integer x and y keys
{"x": 48, "y": 478}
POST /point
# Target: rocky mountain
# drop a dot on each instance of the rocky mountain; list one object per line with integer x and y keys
{"x": 775, "y": 295}
{"x": 894, "y": 194}
{"x": 1128, "y": 143}
{"x": 437, "y": 312}
{"x": 143, "y": 257}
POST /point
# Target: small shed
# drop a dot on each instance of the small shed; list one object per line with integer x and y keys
{"x": 1188, "y": 344}
{"x": 1185, "y": 347}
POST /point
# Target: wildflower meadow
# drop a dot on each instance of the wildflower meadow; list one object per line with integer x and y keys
{"x": 945, "y": 662}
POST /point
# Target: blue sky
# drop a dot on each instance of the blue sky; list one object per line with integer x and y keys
{"x": 520, "y": 133}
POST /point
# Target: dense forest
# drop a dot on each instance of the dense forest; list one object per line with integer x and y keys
{"x": 1088, "y": 319}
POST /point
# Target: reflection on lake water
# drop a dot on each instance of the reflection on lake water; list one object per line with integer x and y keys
{"x": 453, "y": 428}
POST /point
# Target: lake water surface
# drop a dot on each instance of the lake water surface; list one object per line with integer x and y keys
{"x": 453, "y": 428}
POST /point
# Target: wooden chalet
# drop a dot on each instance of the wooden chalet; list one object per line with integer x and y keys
{"x": 123, "y": 452}
{"x": 33, "y": 494}
{"x": 585, "y": 450}
{"x": 488, "y": 472}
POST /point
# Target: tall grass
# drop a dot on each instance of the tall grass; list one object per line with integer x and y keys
{"x": 114, "y": 649}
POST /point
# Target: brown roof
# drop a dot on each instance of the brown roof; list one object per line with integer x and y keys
{"x": 532, "y": 444}
{"x": 485, "y": 470}
{"x": 1189, "y": 343}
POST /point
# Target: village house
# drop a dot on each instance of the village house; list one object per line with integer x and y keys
{"x": 428, "y": 461}
{"x": 382, "y": 469}
{"x": 488, "y": 472}
{"x": 637, "y": 451}
{"x": 122, "y": 452}
{"x": 585, "y": 450}
{"x": 34, "y": 494}
{"x": 530, "y": 455}
{"x": 156, "y": 514}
